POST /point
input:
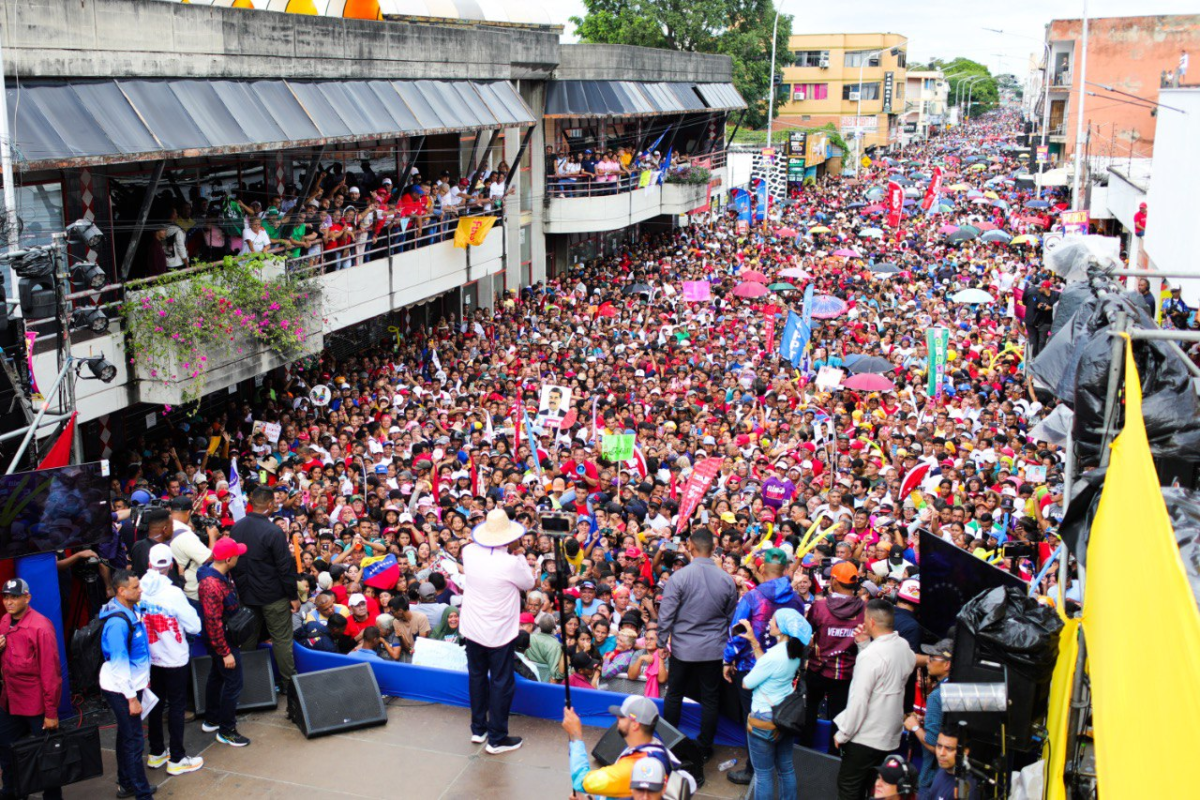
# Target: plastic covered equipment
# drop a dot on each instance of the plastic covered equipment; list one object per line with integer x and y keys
{"x": 1077, "y": 257}
{"x": 1014, "y": 627}
{"x": 1183, "y": 506}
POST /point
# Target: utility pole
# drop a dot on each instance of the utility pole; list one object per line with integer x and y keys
{"x": 6, "y": 170}
{"x": 1078, "y": 178}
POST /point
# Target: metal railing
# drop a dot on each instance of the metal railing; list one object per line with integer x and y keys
{"x": 1061, "y": 79}
{"x": 568, "y": 185}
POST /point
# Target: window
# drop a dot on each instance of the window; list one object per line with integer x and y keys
{"x": 929, "y": 84}
{"x": 810, "y": 91}
{"x": 870, "y": 91}
{"x": 862, "y": 58}
{"x": 811, "y": 58}
{"x": 902, "y": 60}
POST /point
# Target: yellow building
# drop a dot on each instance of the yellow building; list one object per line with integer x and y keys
{"x": 853, "y": 80}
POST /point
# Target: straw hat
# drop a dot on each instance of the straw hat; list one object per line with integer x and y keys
{"x": 498, "y": 530}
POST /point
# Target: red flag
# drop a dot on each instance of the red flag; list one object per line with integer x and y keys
{"x": 474, "y": 476}
{"x": 693, "y": 491}
{"x": 770, "y": 335}
{"x": 60, "y": 454}
{"x": 895, "y": 203}
{"x": 935, "y": 189}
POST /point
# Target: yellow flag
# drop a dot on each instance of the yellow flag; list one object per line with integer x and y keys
{"x": 644, "y": 178}
{"x": 472, "y": 230}
{"x": 1143, "y": 648}
{"x": 1060, "y": 709}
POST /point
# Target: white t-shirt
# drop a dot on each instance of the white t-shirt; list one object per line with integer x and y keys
{"x": 255, "y": 242}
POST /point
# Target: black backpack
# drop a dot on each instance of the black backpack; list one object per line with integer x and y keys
{"x": 87, "y": 654}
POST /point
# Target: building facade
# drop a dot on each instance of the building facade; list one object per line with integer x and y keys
{"x": 926, "y": 98}
{"x": 856, "y": 81}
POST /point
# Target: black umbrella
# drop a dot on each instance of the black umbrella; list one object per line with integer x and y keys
{"x": 885, "y": 268}
{"x": 960, "y": 236}
{"x": 637, "y": 288}
{"x": 875, "y": 364}
{"x": 856, "y": 205}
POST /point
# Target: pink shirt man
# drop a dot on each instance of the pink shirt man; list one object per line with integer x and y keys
{"x": 491, "y": 607}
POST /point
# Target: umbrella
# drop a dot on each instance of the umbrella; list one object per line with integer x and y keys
{"x": 868, "y": 382}
{"x": 1037, "y": 204}
{"x": 973, "y": 159}
{"x": 874, "y": 193}
{"x": 875, "y": 364}
{"x": 947, "y": 228}
{"x": 874, "y": 208}
{"x": 871, "y": 233}
{"x": 818, "y": 229}
{"x": 972, "y": 296}
{"x": 826, "y": 306}
{"x": 789, "y": 232}
{"x": 996, "y": 236}
{"x": 855, "y": 205}
{"x": 912, "y": 163}
{"x": 1032, "y": 221}
{"x": 945, "y": 207}
{"x": 607, "y": 310}
{"x": 794, "y": 272}
{"x": 782, "y": 287}
{"x": 919, "y": 176}
{"x": 637, "y": 288}
{"x": 973, "y": 193}
{"x": 750, "y": 289}
{"x": 844, "y": 253}
{"x": 904, "y": 181}
{"x": 970, "y": 229}
{"x": 913, "y": 191}
{"x": 913, "y": 479}
{"x": 1023, "y": 156}
{"x": 884, "y": 268}
{"x": 985, "y": 226}
{"x": 753, "y": 275}
{"x": 960, "y": 236}
{"x": 958, "y": 187}
{"x": 1028, "y": 239}
{"x": 977, "y": 167}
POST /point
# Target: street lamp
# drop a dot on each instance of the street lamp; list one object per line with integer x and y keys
{"x": 771, "y": 96}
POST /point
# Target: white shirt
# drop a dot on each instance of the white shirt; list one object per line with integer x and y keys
{"x": 255, "y": 242}
{"x": 491, "y": 607}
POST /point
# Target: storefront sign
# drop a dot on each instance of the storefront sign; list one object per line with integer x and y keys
{"x": 865, "y": 124}
{"x": 1075, "y": 222}
{"x": 795, "y": 170}
{"x": 1043, "y": 153}
{"x": 889, "y": 85}
{"x": 796, "y": 143}
{"x": 815, "y": 149}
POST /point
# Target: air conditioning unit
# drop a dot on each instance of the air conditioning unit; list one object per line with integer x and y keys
{"x": 824, "y": 63}
{"x": 854, "y": 96}
{"x": 798, "y": 96}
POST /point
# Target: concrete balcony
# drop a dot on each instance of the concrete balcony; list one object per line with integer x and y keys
{"x": 607, "y": 208}
{"x": 349, "y": 296}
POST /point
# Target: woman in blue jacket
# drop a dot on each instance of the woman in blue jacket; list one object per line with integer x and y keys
{"x": 770, "y": 681}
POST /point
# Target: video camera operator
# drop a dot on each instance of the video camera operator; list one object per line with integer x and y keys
{"x": 189, "y": 549}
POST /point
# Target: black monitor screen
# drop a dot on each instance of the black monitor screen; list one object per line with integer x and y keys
{"x": 950, "y": 576}
{"x": 54, "y": 509}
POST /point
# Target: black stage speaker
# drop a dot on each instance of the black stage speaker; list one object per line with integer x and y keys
{"x": 1027, "y": 698}
{"x": 258, "y": 682}
{"x": 336, "y": 700}
{"x": 609, "y": 748}
{"x": 816, "y": 772}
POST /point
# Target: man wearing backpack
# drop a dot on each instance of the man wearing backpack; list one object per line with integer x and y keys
{"x": 124, "y": 675}
{"x": 32, "y": 677}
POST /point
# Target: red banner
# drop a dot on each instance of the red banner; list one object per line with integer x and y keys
{"x": 695, "y": 488}
{"x": 770, "y": 335}
{"x": 59, "y": 455}
{"x": 895, "y": 203}
{"x": 935, "y": 189}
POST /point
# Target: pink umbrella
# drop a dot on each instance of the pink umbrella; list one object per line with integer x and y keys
{"x": 794, "y": 272}
{"x": 948, "y": 229}
{"x": 874, "y": 208}
{"x": 985, "y": 226}
{"x": 750, "y": 289}
{"x": 826, "y": 306}
{"x": 868, "y": 382}
{"x": 754, "y": 275}
{"x": 786, "y": 232}
{"x": 844, "y": 253}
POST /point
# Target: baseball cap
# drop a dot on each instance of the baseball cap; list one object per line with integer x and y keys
{"x": 226, "y": 549}
{"x": 15, "y": 586}
{"x": 844, "y": 572}
{"x": 910, "y": 591}
{"x": 587, "y": 585}
{"x": 638, "y": 709}
{"x": 160, "y": 556}
{"x": 527, "y": 619}
{"x": 140, "y": 497}
{"x": 943, "y": 649}
{"x": 180, "y": 503}
{"x": 775, "y": 555}
{"x": 894, "y": 770}
{"x": 357, "y": 599}
{"x": 427, "y": 590}
{"x": 648, "y": 774}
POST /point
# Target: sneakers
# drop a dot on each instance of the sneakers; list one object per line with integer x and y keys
{"x": 478, "y": 738}
{"x": 209, "y": 728}
{"x": 234, "y": 739}
{"x": 185, "y": 765}
{"x": 505, "y": 744}
{"x": 125, "y": 791}
{"x": 154, "y": 762}
{"x": 742, "y": 777}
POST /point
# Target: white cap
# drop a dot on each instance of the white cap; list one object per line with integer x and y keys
{"x": 160, "y": 556}
{"x": 357, "y": 599}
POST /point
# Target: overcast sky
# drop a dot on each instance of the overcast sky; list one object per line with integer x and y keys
{"x": 944, "y": 28}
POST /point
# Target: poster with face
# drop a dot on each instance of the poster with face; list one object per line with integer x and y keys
{"x": 553, "y": 405}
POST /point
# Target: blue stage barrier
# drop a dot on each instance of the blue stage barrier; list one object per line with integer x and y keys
{"x": 41, "y": 573}
{"x": 544, "y": 700}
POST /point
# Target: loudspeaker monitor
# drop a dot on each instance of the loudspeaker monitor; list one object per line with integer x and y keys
{"x": 609, "y": 748}
{"x": 336, "y": 700}
{"x": 258, "y": 682}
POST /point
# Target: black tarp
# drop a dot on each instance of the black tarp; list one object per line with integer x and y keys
{"x": 634, "y": 98}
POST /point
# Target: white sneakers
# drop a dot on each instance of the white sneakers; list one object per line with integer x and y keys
{"x": 478, "y": 738}
{"x": 188, "y": 764}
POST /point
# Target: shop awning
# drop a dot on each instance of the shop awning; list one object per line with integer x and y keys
{"x": 638, "y": 98}
{"x": 66, "y": 124}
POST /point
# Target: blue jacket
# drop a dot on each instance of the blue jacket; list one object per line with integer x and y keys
{"x": 758, "y": 605}
{"x": 126, "y": 668}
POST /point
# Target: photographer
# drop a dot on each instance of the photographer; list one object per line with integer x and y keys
{"x": 189, "y": 550}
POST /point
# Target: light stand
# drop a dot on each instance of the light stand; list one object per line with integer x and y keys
{"x": 558, "y": 526}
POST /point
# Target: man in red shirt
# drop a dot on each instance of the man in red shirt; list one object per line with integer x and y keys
{"x": 32, "y": 677}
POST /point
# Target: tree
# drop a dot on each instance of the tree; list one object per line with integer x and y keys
{"x": 982, "y": 89}
{"x": 740, "y": 29}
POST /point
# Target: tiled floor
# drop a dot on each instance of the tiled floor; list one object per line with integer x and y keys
{"x": 423, "y": 752}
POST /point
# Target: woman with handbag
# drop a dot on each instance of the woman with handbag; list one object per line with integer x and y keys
{"x": 771, "y": 682}
{"x": 226, "y": 624}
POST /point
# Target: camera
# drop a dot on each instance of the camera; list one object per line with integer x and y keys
{"x": 1016, "y": 550}
{"x": 201, "y": 522}
{"x": 137, "y": 516}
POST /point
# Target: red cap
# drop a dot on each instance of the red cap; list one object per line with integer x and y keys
{"x": 226, "y": 549}
{"x": 1046, "y": 284}
{"x": 527, "y": 619}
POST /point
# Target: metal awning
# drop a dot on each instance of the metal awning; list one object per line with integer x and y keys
{"x": 638, "y": 98}
{"x": 71, "y": 124}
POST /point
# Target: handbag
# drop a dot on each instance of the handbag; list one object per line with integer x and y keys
{"x": 56, "y": 758}
{"x": 788, "y": 713}
{"x": 238, "y": 626}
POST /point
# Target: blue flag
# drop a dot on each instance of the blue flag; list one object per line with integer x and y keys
{"x": 794, "y": 340}
{"x": 741, "y": 201}
{"x": 760, "y": 211}
{"x": 808, "y": 303}
{"x": 666, "y": 165}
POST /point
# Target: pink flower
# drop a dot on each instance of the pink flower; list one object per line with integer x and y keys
{"x": 283, "y": 324}
{"x": 167, "y": 409}
{"x": 153, "y": 373}
{"x": 203, "y": 358}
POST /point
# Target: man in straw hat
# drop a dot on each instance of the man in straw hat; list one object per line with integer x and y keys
{"x": 491, "y": 612}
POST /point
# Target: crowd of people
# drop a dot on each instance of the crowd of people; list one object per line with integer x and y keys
{"x": 589, "y": 172}
{"x": 410, "y": 506}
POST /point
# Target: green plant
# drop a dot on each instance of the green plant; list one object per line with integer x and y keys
{"x": 178, "y": 323}
{"x": 689, "y": 176}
